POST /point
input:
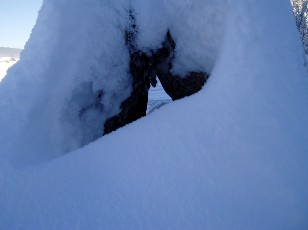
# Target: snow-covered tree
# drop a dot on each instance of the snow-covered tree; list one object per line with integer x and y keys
{"x": 300, "y": 9}
{"x": 233, "y": 156}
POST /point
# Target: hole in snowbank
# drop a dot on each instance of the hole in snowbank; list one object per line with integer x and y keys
{"x": 145, "y": 68}
{"x": 157, "y": 98}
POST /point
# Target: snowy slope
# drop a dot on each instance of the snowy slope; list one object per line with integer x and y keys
{"x": 3, "y": 69}
{"x": 4, "y": 66}
{"x": 233, "y": 156}
{"x": 6, "y": 61}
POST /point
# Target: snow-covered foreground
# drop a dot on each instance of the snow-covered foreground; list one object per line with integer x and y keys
{"x": 233, "y": 156}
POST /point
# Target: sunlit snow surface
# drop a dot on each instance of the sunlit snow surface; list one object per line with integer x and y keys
{"x": 4, "y": 66}
{"x": 233, "y": 156}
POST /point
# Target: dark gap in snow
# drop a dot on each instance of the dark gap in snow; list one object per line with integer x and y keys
{"x": 145, "y": 68}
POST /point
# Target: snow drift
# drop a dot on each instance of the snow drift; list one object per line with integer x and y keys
{"x": 77, "y": 51}
{"x": 231, "y": 157}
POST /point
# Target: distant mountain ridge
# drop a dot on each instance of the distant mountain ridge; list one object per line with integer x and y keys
{"x": 10, "y": 52}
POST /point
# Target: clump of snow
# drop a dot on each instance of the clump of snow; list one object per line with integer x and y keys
{"x": 233, "y": 156}
{"x": 195, "y": 26}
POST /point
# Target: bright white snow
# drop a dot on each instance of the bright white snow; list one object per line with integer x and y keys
{"x": 5, "y": 64}
{"x": 233, "y": 156}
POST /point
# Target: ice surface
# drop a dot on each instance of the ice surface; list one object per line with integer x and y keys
{"x": 233, "y": 156}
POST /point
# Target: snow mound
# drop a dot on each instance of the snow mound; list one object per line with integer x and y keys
{"x": 74, "y": 71}
{"x": 233, "y": 156}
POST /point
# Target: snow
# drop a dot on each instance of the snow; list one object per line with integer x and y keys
{"x": 75, "y": 100}
{"x": 233, "y": 156}
{"x": 195, "y": 25}
{"x": 157, "y": 98}
{"x": 58, "y": 89}
{"x": 5, "y": 64}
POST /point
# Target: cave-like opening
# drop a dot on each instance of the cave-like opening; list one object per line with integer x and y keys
{"x": 157, "y": 97}
{"x": 145, "y": 69}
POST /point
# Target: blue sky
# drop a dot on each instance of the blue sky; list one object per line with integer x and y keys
{"x": 17, "y": 18}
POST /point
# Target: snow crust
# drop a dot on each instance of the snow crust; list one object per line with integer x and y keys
{"x": 233, "y": 156}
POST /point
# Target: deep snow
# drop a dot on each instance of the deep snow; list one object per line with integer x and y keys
{"x": 233, "y": 156}
{"x": 77, "y": 52}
